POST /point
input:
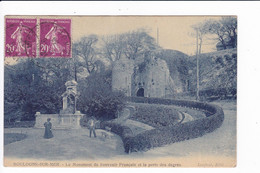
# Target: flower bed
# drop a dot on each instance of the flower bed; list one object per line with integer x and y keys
{"x": 155, "y": 115}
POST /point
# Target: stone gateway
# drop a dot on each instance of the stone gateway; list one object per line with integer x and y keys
{"x": 146, "y": 79}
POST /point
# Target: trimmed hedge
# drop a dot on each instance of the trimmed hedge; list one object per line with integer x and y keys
{"x": 170, "y": 134}
{"x": 123, "y": 131}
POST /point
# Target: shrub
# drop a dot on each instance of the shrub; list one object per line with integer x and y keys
{"x": 219, "y": 93}
{"x": 97, "y": 97}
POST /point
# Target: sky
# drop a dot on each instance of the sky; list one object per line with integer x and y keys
{"x": 174, "y": 31}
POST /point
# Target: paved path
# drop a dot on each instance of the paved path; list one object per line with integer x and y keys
{"x": 66, "y": 145}
{"x": 187, "y": 117}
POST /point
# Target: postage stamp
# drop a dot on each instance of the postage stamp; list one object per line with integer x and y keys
{"x": 55, "y": 38}
{"x": 20, "y": 37}
{"x": 139, "y": 91}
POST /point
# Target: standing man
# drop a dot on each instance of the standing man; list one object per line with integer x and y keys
{"x": 92, "y": 127}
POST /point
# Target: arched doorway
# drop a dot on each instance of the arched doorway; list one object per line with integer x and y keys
{"x": 140, "y": 93}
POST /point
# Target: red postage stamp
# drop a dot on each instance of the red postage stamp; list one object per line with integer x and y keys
{"x": 55, "y": 38}
{"x": 20, "y": 38}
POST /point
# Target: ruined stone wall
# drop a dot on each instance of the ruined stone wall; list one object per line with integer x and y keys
{"x": 153, "y": 77}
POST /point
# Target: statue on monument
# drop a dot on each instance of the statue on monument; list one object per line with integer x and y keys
{"x": 69, "y": 98}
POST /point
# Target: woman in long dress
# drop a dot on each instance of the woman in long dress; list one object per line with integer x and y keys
{"x": 48, "y": 133}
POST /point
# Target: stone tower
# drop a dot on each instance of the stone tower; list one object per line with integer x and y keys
{"x": 122, "y": 75}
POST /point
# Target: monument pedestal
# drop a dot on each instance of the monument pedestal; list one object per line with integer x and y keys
{"x": 59, "y": 121}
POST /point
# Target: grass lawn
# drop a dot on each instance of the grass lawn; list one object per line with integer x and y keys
{"x": 13, "y": 137}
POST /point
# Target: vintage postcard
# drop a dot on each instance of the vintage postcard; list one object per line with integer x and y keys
{"x": 120, "y": 91}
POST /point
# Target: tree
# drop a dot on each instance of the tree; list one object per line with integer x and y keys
{"x": 218, "y": 72}
{"x": 227, "y": 67}
{"x": 224, "y": 29}
{"x": 201, "y": 31}
{"x": 75, "y": 62}
{"x": 114, "y": 46}
{"x": 85, "y": 49}
{"x": 230, "y": 25}
{"x": 34, "y": 85}
{"x": 97, "y": 98}
{"x": 139, "y": 45}
{"x": 136, "y": 45}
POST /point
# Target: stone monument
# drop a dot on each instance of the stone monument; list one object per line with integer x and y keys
{"x": 69, "y": 98}
{"x": 69, "y": 117}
